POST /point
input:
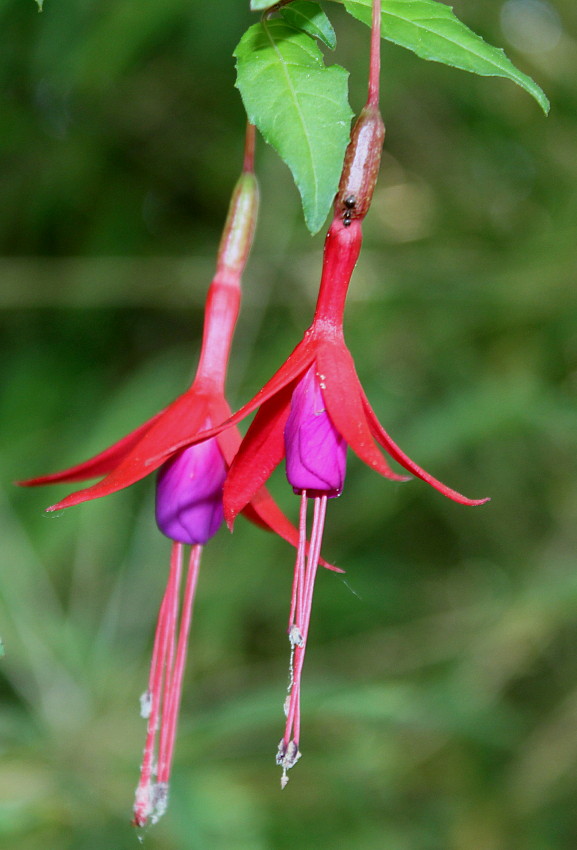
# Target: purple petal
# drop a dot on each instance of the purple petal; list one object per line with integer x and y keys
{"x": 189, "y": 493}
{"x": 316, "y": 454}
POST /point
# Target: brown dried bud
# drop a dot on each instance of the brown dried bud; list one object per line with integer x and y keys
{"x": 361, "y": 167}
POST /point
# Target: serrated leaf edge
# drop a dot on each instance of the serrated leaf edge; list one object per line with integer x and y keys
{"x": 518, "y": 77}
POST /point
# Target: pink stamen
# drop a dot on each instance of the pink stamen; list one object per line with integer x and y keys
{"x": 301, "y": 604}
{"x": 174, "y": 686}
{"x": 143, "y": 804}
{"x": 296, "y": 596}
{"x": 162, "y": 699}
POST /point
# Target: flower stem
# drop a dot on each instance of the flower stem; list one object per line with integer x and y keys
{"x": 223, "y": 299}
{"x": 375, "y": 60}
{"x": 363, "y": 155}
{"x": 249, "y": 145}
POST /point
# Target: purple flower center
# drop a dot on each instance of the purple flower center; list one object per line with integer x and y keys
{"x": 189, "y": 493}
{"x": 316, "y": 454}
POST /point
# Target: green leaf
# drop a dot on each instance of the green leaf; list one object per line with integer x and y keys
{"x": 431, "y": 30}
{"x": 309, "y": 17}
{"x": 40, "y": 4}
{"x": 260, "y": 5}
{"x": 300, "y": 106}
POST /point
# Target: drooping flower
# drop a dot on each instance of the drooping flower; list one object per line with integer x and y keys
{"x": 314, "y": 406}
{"x": 309, "y": 412}
{"x": 189, "y": 489}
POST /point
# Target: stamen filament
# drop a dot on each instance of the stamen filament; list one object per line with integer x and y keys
{"x": 301, "y": 603}
{"x": 296, "y": 597}
{"x": 162, "y": 700}
{"x": 143, "y": 799}
{"x": 174, "y": 685}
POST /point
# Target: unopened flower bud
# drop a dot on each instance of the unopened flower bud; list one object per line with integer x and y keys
{"x": 316, "y": 454}
{"x": 189, "y": 494}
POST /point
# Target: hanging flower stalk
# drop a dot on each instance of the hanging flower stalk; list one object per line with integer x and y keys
{"x": 189, "y": 487}
{"x": 314, "y": 406}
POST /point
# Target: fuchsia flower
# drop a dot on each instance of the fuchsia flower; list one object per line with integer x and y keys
{"x": 309, "y": 412}
{"x": 323, "y": 366}
{"x": 314, "y": 406}
{"x": 189, "y": 489}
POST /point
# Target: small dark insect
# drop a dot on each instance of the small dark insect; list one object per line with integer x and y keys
{"x": 350, "y": 203}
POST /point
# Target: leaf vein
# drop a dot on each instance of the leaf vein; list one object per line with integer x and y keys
{"x": 298, "y": 109}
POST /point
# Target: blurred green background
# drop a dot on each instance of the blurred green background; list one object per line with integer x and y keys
{"x": 440, "y": 689}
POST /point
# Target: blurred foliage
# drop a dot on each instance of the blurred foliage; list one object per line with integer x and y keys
{"x": 440, "y": 690}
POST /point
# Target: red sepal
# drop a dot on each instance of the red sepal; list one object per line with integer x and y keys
{"x": 261, "y": 451}
{"x": 264, "y": 512}
{"x": 342, "y": 393}
{"x": 391, "y": 447}
{"x": 295, "y": 365}
{"x": 187, "y": 413}
{"x": 100, "y": 464}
